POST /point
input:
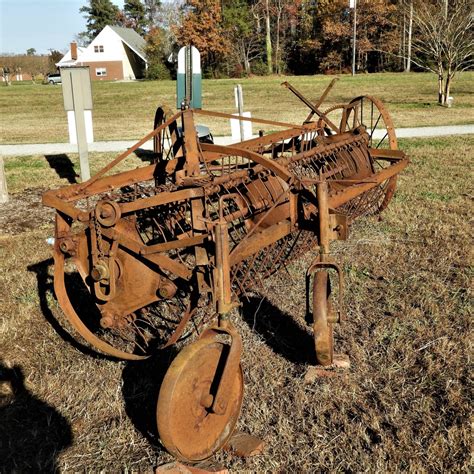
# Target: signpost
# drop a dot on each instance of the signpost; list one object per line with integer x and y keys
{"x": 77, "y": 95}
{"x": 3, "y": 183}
{"x": 240, "y": 129}
{"x": 188, "y": 84}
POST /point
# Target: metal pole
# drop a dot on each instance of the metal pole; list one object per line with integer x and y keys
{"x": 240, "y": 108}
{"x": 354, "y": 38}
{"x": 3, "y": 183}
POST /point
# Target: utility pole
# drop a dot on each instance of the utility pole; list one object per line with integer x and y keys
{"x": 353, "y": 4}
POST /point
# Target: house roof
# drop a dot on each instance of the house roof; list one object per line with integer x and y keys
{"x": 66, "y": 59}
{"x": 132, "y": 39}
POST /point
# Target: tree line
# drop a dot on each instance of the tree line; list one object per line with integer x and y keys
{"x": 243, "y": 37}
{"x": 257, "y": 37}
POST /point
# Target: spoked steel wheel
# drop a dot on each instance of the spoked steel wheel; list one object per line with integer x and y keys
{"x": 371, "y": 113}
{"x": 163, "y": 140}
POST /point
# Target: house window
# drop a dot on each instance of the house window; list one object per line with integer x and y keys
{"x": 101, "y": 71}
{"x": 99, "y": 49}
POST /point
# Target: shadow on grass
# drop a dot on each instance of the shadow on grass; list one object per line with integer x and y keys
{"x": 32, "y": 432}
{"x": 141, "y": 384}
{"x": 146, "y": 155}
{"x": 80, "y": 300}
{"x": 63, "y": 166}
{"x": 279, "y": 330}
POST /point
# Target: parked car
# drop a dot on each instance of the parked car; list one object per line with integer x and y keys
{"x": 53, "y": 78}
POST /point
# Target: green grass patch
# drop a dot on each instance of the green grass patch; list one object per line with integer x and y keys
{"x": 125, "y": 110}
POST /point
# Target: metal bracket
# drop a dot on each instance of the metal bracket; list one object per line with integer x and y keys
{"x": 317, "y": 266}
{"x": 338, "y": 226}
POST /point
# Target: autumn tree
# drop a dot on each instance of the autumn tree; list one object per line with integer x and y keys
{"x": 443, "y": 40}
{"x": 99, "y": 14}
{"x": 203, "y": 28}
{"x": 135, "y": 16}
{"x": 155, "y": 51}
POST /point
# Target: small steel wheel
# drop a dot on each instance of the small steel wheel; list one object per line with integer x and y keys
{"x": 323, "y": 330}
{"x": 188, "y": 428}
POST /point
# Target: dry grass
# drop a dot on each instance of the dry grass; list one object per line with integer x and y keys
{"x": 404, "y": 404}
{"x": 34, "y": 113}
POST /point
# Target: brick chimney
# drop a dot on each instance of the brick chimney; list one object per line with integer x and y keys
{"x": 73, "y": 50}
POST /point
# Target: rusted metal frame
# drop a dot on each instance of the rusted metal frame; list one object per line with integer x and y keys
{"x": 174, "y": 244}
{"x": 310, "y": 105}
{"x": 339, "y": 198}
{"x": 261, "y": 239}
{"x": 161, "y": 199}
{"x": 52, "y": 200}
{"x": 191, "y": 147}
{"x": 199, "y": 229}
{"x": 386, "y": 154}
{"x": 63, "y": 228}
{"x": 124, "y": 155}
{"x": 254, "y": 143}
{"x": 222, "y": 268}
{"x": 107, "y": 183}
{"x": 248, "y": 119}
{"x": 326, "y": 148}
{"x": 322, "y": 98}
{"x": 272, "y": 165}
{"x": 266, "y": 213}
{"x": 161, "y": 260}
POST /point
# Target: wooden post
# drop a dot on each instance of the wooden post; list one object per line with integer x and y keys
{"x": 3, "y": 183}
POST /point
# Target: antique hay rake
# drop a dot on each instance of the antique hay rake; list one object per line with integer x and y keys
{"x": 167, "y": 249}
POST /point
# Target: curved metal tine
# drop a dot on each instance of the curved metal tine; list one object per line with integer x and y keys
{"x": 122, "y": 334}
{"x": 144, "y": 339}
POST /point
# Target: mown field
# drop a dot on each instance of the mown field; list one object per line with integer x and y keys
{"x": 405, "y": 404}
{"x": 35, "y": 114}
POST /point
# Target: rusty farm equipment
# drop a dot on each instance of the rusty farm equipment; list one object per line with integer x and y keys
{"x": 166, "y": 250}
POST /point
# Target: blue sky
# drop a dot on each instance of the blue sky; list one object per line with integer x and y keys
{"x": 40, "y": 24}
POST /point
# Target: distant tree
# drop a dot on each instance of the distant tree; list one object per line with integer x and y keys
{"x": 6, "y": 71}
{"x": 152, "y": 12}
{"x": 82, "y": 39}
{"x": 31, "y": 51}
{"x": 155, "y": 51}
{"x": 135, "y": 15}
{"x": 240, "y": 28}
{"x": 443, "y": 40}
{"x": 202, "y": 27}
{"x": 99, "y": 14}
{"x": 54, "y": 57}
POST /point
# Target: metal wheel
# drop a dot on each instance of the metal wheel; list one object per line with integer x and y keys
{"x": 334, "y": 114}
{"x": 323, "y": 330}
{"x": 188, "y": 429}
{"x": 162, "y": 140}
{"x": 371, "y": 113}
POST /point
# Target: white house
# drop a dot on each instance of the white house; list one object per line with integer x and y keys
{"x": 115, "y": 53}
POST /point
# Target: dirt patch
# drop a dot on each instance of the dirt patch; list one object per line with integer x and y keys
{"x": 25, "y": 212}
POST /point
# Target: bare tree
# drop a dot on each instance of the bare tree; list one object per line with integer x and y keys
{"x": 443, "y": 40}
